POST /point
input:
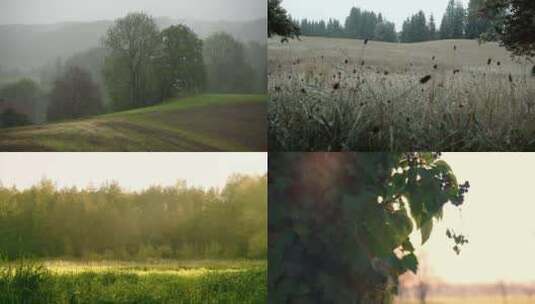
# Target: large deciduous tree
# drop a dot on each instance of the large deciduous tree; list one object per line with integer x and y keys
{"x": 339, "y": 223}
{"x": 514, "y": 23}
{"x": 226, "y": 65}
{"x": 179, "y": 62}
{"x": 179, "y": 222}
{"x": 279, "y": 23}
{"x": 74, "y": 95}
{"x": 132, "y": 41}
{"x": 27, "y": 98}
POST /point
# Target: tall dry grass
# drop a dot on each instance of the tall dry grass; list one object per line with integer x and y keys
{"x": 337, "y": 94}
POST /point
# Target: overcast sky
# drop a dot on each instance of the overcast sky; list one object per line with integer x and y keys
{"x": 394, "y": 10}
{"x": 52, "y": 11}
{"x": 498, "y": 218}
{"x": 133, "y": 171}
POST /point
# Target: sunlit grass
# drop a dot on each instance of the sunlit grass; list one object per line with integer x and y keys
{"x": 193, "y": 268}
{"x": 160, "y": 281}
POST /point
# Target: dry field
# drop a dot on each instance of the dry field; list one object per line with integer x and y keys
{"x": 342, "y": 94}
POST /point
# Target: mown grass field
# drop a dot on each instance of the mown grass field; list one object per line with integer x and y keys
{"x": 448, "y": 95}
{"x": 199, "y": 123}
{"x": 132, "y": 282}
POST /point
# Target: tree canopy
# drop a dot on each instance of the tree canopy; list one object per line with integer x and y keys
{"x": 159, "y": 222}
{"x": 481, "y": 19}
{"x": 514, "y": 23}
{"x": 453, "y": 21}
{"x": 74, "y": 95}
{"x": 476, "y": 24}
{"x": 132, "y": 42}
{"x": 339, "y": 223}
{"x": 358, "y": 25}
{"x": 26, "y": 96}
{"x": 147, "y": 66}
{"x": 179, "y": 62}
{"x": 417, "y": 29}
{"x": 227, "y": 68}
{"x": 279, "y": 23}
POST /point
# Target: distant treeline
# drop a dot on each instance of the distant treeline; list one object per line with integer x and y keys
{"x": 358, "y": 25}
{"x": 160, "y": 222}
{"x": 458, "y": 22}
{"x": 130, "y": 71}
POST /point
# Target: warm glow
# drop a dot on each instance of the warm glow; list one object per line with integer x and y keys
{"x": 498, "y": 219}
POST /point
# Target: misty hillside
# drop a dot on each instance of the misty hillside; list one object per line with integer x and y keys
{"x": 30, "y": 46}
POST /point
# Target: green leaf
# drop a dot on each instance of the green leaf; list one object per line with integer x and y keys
{"x": 426, "y": 229}
{"x": 407, "y": 245}
{"x": 410, "y": 262}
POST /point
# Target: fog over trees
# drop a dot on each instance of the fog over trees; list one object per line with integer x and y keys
{"x": 158, "y": 222}
{"x": 166, "y": 58}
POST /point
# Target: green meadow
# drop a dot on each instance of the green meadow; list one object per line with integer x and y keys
{"x": 198, "y": 123}
{"x": 133, "y": 282}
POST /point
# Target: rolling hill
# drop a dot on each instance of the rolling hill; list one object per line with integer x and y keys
{"x": 30, "y": 46}
{"x": 199, "y": 123}
{"x": 398, "y": 57}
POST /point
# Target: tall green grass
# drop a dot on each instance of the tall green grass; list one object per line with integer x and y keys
{"x": 27, "y": 283}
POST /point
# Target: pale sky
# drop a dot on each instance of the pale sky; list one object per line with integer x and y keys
{"x": 498, "y": 217}
{"x": 394, "y": 10}
{"x": 53, "y": 11}
{"x": 133, "y": 171}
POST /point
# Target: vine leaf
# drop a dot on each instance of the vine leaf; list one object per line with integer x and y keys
{"x": 407, "y": 245}
{"x": 426, "y": 230}
{"x": 410, "y": 262}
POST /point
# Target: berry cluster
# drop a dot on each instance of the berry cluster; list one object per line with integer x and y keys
{"x": 463, "y": 189}
{"x": 459, "y": 239}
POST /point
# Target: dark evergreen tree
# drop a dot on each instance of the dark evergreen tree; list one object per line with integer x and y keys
{"x": 279, "y": 23}
{"x": 432, "y": 28}
{"x": 385, "y": 31}
{"x": 453, "y": 22}
{"x": 334, "y": 28}
{"x": 514, "y": 23}
{"x": 476, "y": 24}
{"x": 405, "y": 29}
{"x": 353, "y": 23}
{"x": 415, "y": 29}
{"x": 358, "y": 25}
{"x": 459, "y": 21}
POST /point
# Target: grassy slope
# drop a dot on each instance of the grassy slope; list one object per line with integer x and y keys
{"x": 171, "y": 126}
